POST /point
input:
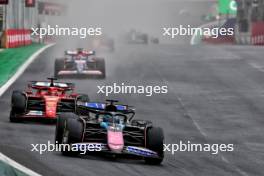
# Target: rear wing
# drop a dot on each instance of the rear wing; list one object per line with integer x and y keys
{"x": 76, "y": 52}
{"x": 97, "y": 107}
{"x": 46, "y": 84}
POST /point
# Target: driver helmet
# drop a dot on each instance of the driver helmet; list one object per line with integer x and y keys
{"x": 52, "y": 91}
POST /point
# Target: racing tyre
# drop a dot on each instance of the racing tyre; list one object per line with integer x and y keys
{"x": 101, "y": 66}
{"x": 59, "y": 65}
{"x": 60, "y": 126}
{"x": 155, "y": 139}
{"x": 81, "y": 98}
{"x": 13, "y": 118}
{"x": 19, "y": 102}
{"x": 72, "y": 134}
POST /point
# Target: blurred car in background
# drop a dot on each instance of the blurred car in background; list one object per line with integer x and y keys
{"x": 136, "y": 37}
{"x": 154, "y": 40}
{"x": 79, "y": 63}
{"x": 102, "y": 43}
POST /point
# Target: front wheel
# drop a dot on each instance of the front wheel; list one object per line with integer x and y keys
{"x": 155, "y": 140}
{"x": 19, "y": 102}
{"x": 13, "y": 118}
{"x": 60, "y": 126}
{"x": 72, "y": 134}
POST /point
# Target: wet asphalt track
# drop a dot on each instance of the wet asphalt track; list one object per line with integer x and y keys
{"x": 216, "y": 95}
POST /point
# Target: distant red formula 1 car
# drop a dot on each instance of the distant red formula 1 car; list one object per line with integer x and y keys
{"x": 44, "y": 100}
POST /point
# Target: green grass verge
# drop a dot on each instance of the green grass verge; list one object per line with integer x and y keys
{"x": 11, "y": 59}
{"x": 7, "y": 170}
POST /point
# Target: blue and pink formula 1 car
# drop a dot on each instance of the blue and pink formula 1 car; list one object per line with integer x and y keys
{"x": 110, "y": 126}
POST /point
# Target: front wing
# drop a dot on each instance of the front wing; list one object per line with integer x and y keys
{"x": 84, "y": 72}
{"x": 129, "y": 150}
{"x": 35, "y": 114}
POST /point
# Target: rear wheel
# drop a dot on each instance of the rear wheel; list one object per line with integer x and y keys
{"x": 81, "y": 98}
{"x": 101, "y": 66}
{"x": 59, "y": 65}
{"x": 155, "y": 139}
{"x": 72, "y": 134}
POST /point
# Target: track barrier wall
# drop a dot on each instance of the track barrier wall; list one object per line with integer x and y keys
{"x": 257, "y": 33}
{"x": 13, "y": 38}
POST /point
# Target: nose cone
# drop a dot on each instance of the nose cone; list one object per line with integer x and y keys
{"x": 51, "y": 106}
{"x": 115, "y": 141}
{"x": 51, "y": 112}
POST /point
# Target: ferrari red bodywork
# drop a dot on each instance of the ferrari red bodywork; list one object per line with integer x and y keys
{"x": 48, "y": 99}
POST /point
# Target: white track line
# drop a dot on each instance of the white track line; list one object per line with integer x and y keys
{"x": 17, "y": 166}
{"x": 21, "y": 70}
{"x": 257, "y": 66}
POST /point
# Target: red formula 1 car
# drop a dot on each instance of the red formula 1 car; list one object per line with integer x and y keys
{"x": 44, "y": 100}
